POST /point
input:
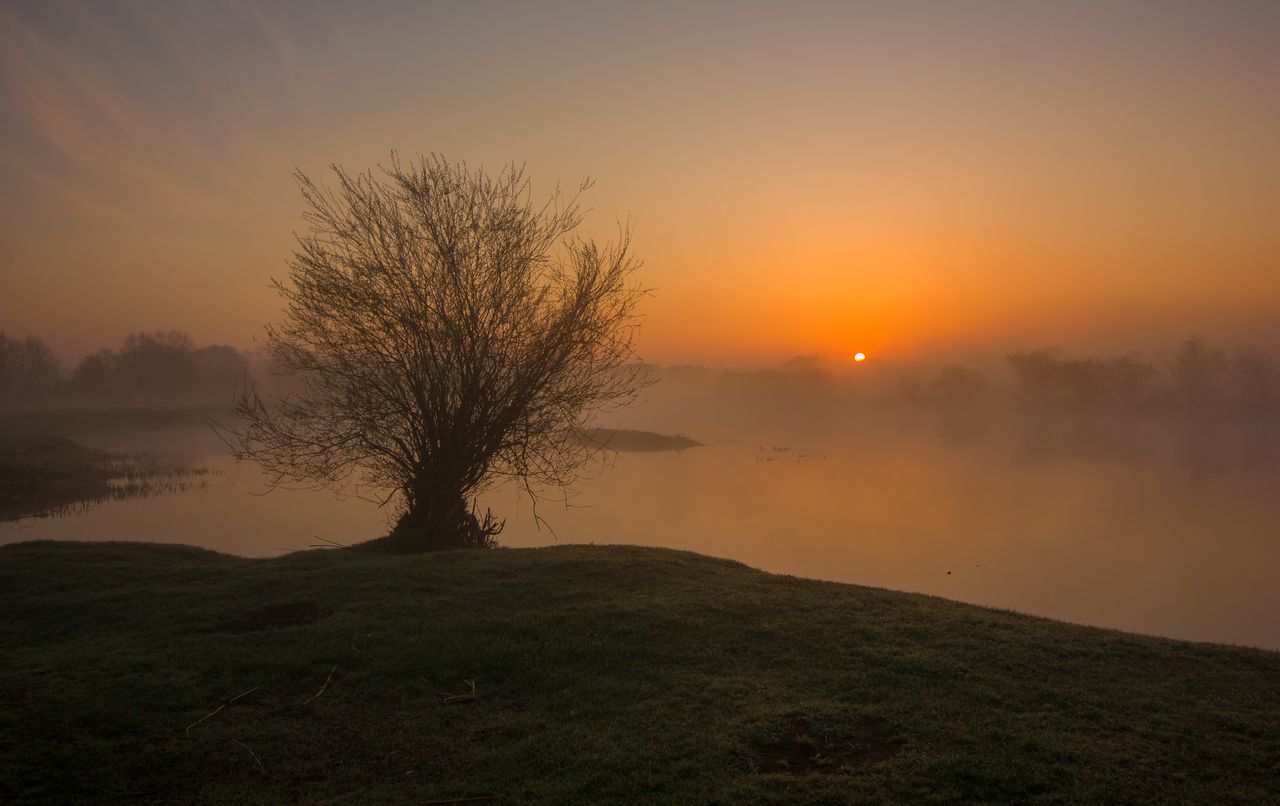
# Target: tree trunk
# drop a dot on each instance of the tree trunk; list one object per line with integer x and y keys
{"x": 437, "y": 519}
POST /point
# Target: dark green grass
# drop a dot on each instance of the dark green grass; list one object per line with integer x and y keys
{"x": 608, "y": 674}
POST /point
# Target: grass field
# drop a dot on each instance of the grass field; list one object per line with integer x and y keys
{"x": 137, "y": 672}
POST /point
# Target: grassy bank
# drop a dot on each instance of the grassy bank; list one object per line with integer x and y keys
{"x": 601, "y": 674}
{"x": 44, "y": 474}
{"x": 41, "y": 472}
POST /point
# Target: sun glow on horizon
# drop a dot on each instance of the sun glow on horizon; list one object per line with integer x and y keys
{"x": 859, "y": 357}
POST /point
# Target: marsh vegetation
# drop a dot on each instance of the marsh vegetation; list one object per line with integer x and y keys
{"x": 44, "y": 475}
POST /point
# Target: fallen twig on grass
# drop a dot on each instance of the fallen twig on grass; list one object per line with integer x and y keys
{"x": 357, "y": 649}
{"x": 327, "y": 680}
{"x": 249, "y": 750}
{"x": 466, "y": 696}
{"x": 225, "y": 703}
{"x": 342, "y": 797}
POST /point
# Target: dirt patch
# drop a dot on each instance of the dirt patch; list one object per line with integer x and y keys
{"x": 803, "y": 745}
{"x": 293, "y": 614}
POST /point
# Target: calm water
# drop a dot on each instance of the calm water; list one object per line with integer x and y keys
{"x": 1147, "y": 527}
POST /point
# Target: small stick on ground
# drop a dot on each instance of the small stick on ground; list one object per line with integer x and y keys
{"x": 466, "y": 696}
{"x": 249, "y": 750}
{"x": 342, "y": 797}
{"x": 357, "y": 649}
{"x": 225, "y": 703}
{"x": 327, "y": 680}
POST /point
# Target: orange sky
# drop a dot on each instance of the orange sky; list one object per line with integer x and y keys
{"x": 908, "y": 179}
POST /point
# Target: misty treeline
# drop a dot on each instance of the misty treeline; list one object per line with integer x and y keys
{"x": 1200, "y": 380}
{"x": 160, "y": 367}
{"x": 1194, "y": 380}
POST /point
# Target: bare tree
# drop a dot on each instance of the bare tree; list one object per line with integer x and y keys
{"x": 28, "y": 369}
{"x": 442, "y": 333}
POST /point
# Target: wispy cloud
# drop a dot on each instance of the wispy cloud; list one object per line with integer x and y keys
{"x": 81, "y": 128}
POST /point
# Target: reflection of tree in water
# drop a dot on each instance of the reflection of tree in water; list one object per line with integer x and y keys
{"x": 1201, "y": 450}
{"x": 1210, "y": 447}
{"x": 1048, "y": 439}
{"x": 1260, "y": 447}
{"x": 961, "y": 429}
{"x": 1204, "y": 446}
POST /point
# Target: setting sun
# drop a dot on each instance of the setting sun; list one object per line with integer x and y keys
{"x": 859, "y": 357}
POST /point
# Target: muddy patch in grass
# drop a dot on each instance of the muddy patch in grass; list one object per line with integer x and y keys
{"x": 291, "y": 614}
{"x": 803, "y": 745}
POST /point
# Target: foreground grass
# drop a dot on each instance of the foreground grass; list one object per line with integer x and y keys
{"x": 605, "y": 674}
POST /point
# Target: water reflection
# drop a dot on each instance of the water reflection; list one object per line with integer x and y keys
{"x": 1164, "y": 527}
{"x": 137, "y": 485}
{"x": 49, "y": 476}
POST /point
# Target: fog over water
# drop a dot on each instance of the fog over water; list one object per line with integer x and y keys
{"x": 1144, "y": 522}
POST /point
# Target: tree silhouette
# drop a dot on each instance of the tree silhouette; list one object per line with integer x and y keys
{"x": 1198, "y": 373}
{"x": 442, "y": 333}
{"x": 28, "y": 369}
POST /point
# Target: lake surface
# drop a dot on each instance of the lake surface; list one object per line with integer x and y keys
{"x": 1152, "y": 527}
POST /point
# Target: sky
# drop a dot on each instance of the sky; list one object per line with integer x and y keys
{"x": 907, "y": 179}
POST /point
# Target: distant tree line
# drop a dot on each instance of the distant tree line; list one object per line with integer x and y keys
{"x": 1047, "y": 379}
{"x": 149, "y": 367}
{"x": 1197, "y": 380}
{"x": 1200, "y": 381}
